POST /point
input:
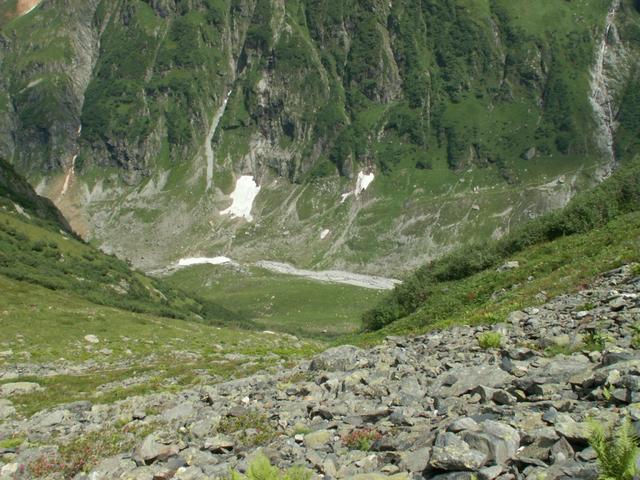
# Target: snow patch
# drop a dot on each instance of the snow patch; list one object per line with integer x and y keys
{"x": 324, "y": 233}
{"x": 188, "y": 262}
{"x": 69, "y": 176}
{"x": 243, "y": 197}
{"x": 33, "y": 83}
{"x": 362, "y": 183}
{"x": 364, "y": 180}
{"x": 332, "y": 276}
{"x": 21, "y": 210}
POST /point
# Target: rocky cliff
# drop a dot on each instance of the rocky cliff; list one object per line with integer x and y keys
{"x": 138, "y": 117}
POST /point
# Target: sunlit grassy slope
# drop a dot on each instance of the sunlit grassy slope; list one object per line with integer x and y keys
{"x": 280, "y": 302}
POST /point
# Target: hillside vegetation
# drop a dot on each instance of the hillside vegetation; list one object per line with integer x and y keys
{"x": 38, "y": 247}
{"x": 99, "y": 330}
{"x": 555, "y": 252}
{"x": 466, "y": 112}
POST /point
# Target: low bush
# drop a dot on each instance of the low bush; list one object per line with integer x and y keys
{"x": 361, "y": 439}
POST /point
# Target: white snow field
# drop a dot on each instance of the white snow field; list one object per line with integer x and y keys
{"x": 187, "y": 262}
{"x": 332, "y": 276}
{"x": 243, "y": 197}
{"x": 363, "y": 182}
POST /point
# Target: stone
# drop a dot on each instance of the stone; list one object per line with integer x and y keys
{"x": 52, "y": 419}
{"x": 498, "y": 441}
{"x": 490, "y": 473}
{"x": 617, "y": 304}
{"x": 574, "y": 432}
{"x": 461, "y": 424}
{"x": 416, "y": 461}
{"x": 219, "y": 444}
{"x": 451, "y": 453}
{"x": 179, "y": 413}
{"x": 512, "y": 265}
{"x": 317, "y": 439}
{"x": 19, "y": 388}
{"x": 338, "y": 359}
{"x": 378, "y": 476}
{"x": 460, "y": 380}
{"x": 150, "y": 450}
{"x": 529, "y": 153}
{"x": 6, "y": 409}
{"x": 502, "y": 397}
{"x": 188, "y": 473}
{"x": 91, "y": 339}
{"x": 562, "y": 452}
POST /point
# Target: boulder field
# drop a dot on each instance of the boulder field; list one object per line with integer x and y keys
{"x": 432, "y": 406}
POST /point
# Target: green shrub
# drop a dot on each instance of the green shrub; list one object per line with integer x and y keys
{"x": 362, "y": 439}
{"x": 261, "y": 469}
{"x": 489, "y": 340}
{"x": 595, "y": 341}
{"x": 617, "y": 451}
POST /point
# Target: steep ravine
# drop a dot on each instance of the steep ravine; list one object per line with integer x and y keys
{"x": 601, "y": 99}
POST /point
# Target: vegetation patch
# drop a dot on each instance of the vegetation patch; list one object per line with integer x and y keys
{"x": 489, "y": 340}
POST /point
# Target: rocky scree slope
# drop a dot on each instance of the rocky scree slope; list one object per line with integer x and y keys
{"x": 137, "y": 118}
{"x": 434, "y": 406}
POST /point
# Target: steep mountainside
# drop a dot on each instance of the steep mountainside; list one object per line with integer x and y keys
{"x": 39, "y": 249}
{"x": 377, "y": 134}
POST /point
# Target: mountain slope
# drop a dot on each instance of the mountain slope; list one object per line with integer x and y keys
{"x": 39, "y": 248}
{"x": 138, "y": 118}
{"x": 552, "y": 254}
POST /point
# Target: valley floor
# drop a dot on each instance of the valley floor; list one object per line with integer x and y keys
{"x": 433, "y": 406}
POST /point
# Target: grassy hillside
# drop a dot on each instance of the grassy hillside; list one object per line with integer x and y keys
{"x": 280, "y": 302}
{"x": 38, "y": 247}
{"x": 597, "y": 230}
{"x": 100, "y": 330}
{"x": 44, "y": 331}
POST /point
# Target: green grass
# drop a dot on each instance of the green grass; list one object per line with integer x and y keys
{"x": 36, "y": 252}
{"x": 44, "y": 326}
{"x": 489, "y": 340}
{"x": 616, "y": 196}
{"x": 280, "y": 302}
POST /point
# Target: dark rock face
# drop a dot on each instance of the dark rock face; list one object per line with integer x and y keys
{"x": 408, "y": 408}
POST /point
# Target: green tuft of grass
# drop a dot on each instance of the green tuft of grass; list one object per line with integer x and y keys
{"x": 489, "y": 340}
{"x": 261, "y": 469}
